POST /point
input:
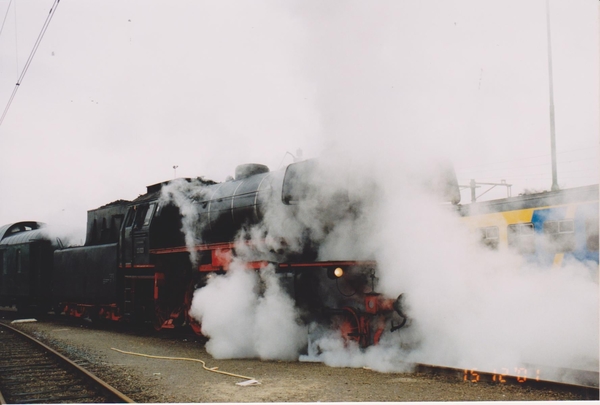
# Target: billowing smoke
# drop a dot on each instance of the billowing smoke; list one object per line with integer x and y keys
{"x": 246, "y": 314}
{"x": 478, "y": 308}
{"x": 393, "y": 98}
{"x": 469, "y": 306}
{"x": 332, "y": 349}
{"x": 185, "y": 195}
{"x": 63, "y": 235}
{"x": 385, "y": 122}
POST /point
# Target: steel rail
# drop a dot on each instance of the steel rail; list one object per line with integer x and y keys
{"x": 108, "y": 390}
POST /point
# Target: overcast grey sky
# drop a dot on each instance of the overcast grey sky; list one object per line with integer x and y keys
{"x": 121, "y": 91}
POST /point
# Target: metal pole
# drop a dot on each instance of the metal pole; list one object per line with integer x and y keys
{"x": 552, "y": 129}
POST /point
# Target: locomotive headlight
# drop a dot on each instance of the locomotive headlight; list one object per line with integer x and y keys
{"x": 334, "y": 273}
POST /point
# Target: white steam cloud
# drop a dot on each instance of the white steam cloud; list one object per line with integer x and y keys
{"x": 469, "y": 306}
{"x": 477, "y": 308}
{"x": 185, "y": 194}
{"x": 243, "y": 321}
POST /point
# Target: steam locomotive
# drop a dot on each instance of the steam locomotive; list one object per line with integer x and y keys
{"x": 143, "y": 259}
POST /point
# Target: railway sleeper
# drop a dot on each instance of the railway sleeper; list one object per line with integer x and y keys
{"x": 32, "y": 365}
{"x": 49, "y": 391}
{"x": 54, "y": 400}
{"x": 63, "y": 382}
{"x": 29, "y": 357}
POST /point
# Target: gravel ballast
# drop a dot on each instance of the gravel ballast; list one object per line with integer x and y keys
{"x": 156, "y": 380}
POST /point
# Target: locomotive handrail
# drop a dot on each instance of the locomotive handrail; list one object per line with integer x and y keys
{"x": 329, "y": 263}
{"x": 182, "y": 249}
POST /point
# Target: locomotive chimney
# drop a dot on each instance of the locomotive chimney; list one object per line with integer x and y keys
{"x": 249, "y": 169}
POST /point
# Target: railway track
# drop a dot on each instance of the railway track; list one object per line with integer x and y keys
{"x": 587, "y": 385}
{"x": 31, "y": 372}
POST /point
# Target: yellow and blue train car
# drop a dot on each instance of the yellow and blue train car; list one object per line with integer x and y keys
{"x": 554, "y": 227}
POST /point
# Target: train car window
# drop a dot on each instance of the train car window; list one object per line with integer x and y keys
{"x": 20, "y": 228}
{"x": 2, "y": 264}
{"x": 490, "y": 236}
{"x": 560, "y": 235}
{"x": 551, "y": 227}
{"x": 527, "y": 229}
{"x": 591, "y": 234}
{"x": 491, "y": 232}
{"x": 18, "y": 260}
{"x": 522, "y": 237}
{"x": 566, "y": 226}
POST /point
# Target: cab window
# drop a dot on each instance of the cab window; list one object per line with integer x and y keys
{"x": 149, "y": 214}
{"x": 140, "y": 215}
{"x": 130, "y": 216}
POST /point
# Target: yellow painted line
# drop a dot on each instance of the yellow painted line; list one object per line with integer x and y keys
{"x": 558, "y": 258}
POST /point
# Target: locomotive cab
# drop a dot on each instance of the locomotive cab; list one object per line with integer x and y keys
{"x": 135, "y": 242}
{"x": 154, "y": 266}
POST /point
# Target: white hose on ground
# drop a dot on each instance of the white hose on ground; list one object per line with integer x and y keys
{"x": 214, "y": 369}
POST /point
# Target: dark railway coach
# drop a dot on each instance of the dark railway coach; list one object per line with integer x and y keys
{"x": 26, "y": 266}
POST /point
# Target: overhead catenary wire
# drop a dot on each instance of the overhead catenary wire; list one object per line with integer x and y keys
{"x": 5, "y": 15}
{"x": 523, "y": 158}
{"x": 16, "y": 41}
{"x": 591, "y": 171}
{"x": 30, "y": 58}
{"x": 522, "y": 167}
